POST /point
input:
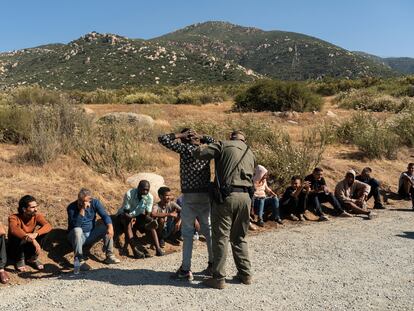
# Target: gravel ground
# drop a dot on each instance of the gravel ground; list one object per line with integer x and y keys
{"x": 344, "y": 264}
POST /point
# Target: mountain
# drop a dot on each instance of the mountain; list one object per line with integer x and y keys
{"x": 210, "y": 52}
{"x": 402, "y": 65}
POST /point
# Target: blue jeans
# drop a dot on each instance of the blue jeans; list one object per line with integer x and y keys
{"x": 78, "y": 239}
{"x": 266, "y": 205}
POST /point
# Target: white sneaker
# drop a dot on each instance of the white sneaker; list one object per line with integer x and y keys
{"x": 196, "y": 237}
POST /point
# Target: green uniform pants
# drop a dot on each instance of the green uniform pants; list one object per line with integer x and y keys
{"x": 230, "y": 222}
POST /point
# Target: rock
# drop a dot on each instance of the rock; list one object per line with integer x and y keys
{"x": 286, "y": 114}
{"x": 128, "y": 117}
{"x": 292, "y": 122}
{"x": 156, "y": 181}
{"x": 331, "y": 114}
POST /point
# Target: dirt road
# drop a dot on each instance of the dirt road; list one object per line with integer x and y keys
{"x": 344, "y": 264}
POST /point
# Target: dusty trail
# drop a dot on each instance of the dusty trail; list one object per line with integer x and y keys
{"x": 345, "y": 264}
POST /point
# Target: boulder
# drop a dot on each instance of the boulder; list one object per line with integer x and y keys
{"x": 292, "y": 122}
{"x": 128, "y": 117}
{"x": 156, "y": 181}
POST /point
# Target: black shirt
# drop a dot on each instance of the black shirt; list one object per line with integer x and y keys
{"x": 315, "y": 184}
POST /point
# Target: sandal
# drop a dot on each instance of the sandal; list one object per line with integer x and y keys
{"x": 4, "y": 277}
{"x": 21, "y": 266}
{"x": 36, "y": 263}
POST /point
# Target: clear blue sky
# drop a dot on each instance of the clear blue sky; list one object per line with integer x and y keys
{"x": 381, "y": 27}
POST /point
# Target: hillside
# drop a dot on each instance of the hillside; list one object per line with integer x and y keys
{"x": 402, "y": 65}
{"x": 211, "y": 52}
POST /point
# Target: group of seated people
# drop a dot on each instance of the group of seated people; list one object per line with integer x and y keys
{"x": 349, "y": 197}
{"x": 28, "y": 228}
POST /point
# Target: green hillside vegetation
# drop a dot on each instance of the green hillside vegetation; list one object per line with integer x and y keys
{"x": 207, "y": 53}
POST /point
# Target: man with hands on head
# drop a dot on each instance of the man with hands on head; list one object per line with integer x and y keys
{"x": 83, "y": 230}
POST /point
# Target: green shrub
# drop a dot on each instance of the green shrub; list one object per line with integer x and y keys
{"x": 371, "y": 135}
{"x": 371, "y": 100}
{"x": 113, "y": 149}
{"x": 403, "y": 126}
{"x": 271, "y": 95}
{"x": 142, "y": 98}
{"x": 35, "y": 95}
{"x": 15, "y": 124}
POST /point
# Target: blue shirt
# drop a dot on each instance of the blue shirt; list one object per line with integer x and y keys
{"x": 86, "y": 222}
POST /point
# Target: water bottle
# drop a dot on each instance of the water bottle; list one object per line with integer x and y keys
{"x": 76, "y": 266}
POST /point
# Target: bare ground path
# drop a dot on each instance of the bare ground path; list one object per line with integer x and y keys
{"x": 345, "y": 264}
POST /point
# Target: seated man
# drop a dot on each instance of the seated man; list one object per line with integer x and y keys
{"x": 406, "y": 184}
{"x": 4, "y": 277}
{"x": 83, "y": 230}
{"x": 25, "y": 239}
{"x": 265, "y": 201}
{"x": 167, "y": 214}
{"x": 135, "y": 215}
{"x": 293, "y": 201}
{"x": 319, "y": 193}
{"x": 365, "y": 177}
{"x": 352, "y": 194}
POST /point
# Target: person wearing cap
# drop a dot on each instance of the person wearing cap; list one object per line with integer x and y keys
{"x": 235, "y": 164}
{"x": 366, "y": 177}
{"x": 352, "y": 194}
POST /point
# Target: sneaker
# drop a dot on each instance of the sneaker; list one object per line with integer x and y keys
{"x": 137, "y": 253}
{"x": 111, "y": 259}
{"x": 300, "y": 217}
{"x": 184, "y": 275}
{"x": 162, "y": 243}
{"x": 245, "y": 279}
{"x": 345, "y": 215}
{"x": 260, "y": 223}
{"x": 323, "y": 218}
{"x": 371, "y": 215}
{"x": 252, "y": 227}
{"x": 214, "y": 283}
{"x": 174, "y": 241}
{"x": 292, "y": 217}
{"x": 196, "y": 236}
{"x": 159, "y": 252}
{"x": 379, "y": 206}
{"x": 279, "y": 221}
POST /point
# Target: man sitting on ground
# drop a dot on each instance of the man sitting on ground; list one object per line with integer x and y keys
{"x": 293, "y": 201}
{"x": 167, "y": 214}
{"x": 319, "y": 193}
{"x": 4, "y": 277}
{"x": 265, "y": 200}
{"x": 406, "y": 184}
{"x": 365, "y": 177}
{"x": 135, "y": 215}
{"x": 83, "y": 230}
{"x": 25, "y": 240}
{"x": 352, "y": 194}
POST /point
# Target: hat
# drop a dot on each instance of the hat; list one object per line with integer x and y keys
{"x": 352, "y": 172}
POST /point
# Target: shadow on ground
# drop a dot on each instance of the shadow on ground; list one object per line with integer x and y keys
{"x": 121, "y": 277}
{"x": 407, "y": 235}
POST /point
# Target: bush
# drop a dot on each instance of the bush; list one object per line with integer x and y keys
{"x": 371, "y": 100}
{"x": 403, "y": 126}
{"x": 35, "y": 95}
{"x": 15, "y": 124}
{"x": 372, "y": 136}
{"x": 113, "y": 149}
{"x": 271, "y": 95}
{"x": 142, "y": 98}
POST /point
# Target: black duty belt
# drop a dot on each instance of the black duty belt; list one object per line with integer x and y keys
{"x": 239, "y": 189}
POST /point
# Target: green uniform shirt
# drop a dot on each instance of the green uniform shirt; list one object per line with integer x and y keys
{"x": 227, "y": 154}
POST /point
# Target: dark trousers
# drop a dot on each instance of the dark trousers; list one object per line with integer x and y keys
{"x": 316, "y": 199}
{"x": 21, "y": 249}
{"x": 375, "y": 191}
{"x": 295, "y": 206}
{"x": 3, "y": 254}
